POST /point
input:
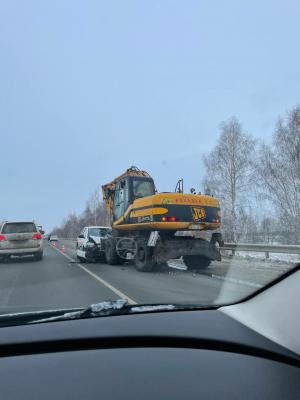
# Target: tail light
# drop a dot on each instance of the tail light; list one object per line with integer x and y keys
{"x": 2, "y": 237}
{"x": 216, "y": 220}
{"x": 170, "y": 219}
{"x": 36, "y": 236}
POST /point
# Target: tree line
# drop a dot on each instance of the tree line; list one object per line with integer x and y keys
{"x": 94, "y": 214}
{"x": 258, "y": 185}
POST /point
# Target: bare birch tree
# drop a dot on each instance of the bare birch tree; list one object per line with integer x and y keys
{"x": 279, "y": 173}
{"x": 93, "y": 204}
{"x": 229, "y": 173}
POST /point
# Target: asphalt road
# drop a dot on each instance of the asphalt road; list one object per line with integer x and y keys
{"x": 58, "y": 281}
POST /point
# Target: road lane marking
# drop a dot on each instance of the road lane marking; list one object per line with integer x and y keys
{"x": 105, "y": 283}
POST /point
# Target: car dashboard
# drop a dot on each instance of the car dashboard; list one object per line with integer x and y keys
{"x": 166, "y": 355}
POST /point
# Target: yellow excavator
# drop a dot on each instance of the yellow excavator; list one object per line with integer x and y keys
{"x": 147, "y": 226}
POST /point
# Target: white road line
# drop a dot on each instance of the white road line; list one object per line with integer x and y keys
{"x": 108, "y": 285}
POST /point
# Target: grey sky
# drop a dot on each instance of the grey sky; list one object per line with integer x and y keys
{"x": 88, "y": 88}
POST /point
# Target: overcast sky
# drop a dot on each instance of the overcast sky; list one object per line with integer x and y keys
{"x": 88, "y": 88}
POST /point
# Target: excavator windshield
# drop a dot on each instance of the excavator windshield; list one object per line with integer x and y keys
{"x": 143, "y": 188}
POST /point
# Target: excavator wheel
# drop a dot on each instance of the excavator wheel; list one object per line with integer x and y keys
{"x": 143, "y": 258}
{"x": 196, "y": 262}
{"x": 111, "y": 255}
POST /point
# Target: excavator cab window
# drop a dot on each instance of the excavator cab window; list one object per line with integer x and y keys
{"x": 143, "y": 188}
{"x": 120, "y": 199}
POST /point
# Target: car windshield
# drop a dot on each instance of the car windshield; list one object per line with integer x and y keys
{"x": 164, "y": 143}
{"x": 99, "y": 232}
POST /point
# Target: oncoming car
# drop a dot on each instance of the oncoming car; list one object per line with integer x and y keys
{"x": 88, "y": 244}
{"x": 20, "y": 239}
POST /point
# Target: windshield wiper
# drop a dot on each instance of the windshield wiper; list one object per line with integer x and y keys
{"x": 104, "y": 308}
{"x": 26, "y": 317}
{"x": 107, "y": 308}
{"x": 94, "y": 310}
{"x": 119, "y": 307}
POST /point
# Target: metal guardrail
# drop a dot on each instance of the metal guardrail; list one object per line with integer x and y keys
{"x": 262, "y": 248}
{"x": 257, "y": 248}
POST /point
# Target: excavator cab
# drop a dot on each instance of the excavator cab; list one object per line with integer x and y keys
{"x": 129, "y": 189}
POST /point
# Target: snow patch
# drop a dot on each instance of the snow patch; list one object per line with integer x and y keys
{"x": 273, "y": 257}
{"x": 153, "y": 308}
{"x": 108, "y": 305}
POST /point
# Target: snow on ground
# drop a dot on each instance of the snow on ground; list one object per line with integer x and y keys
{"x": 274, "y": 258}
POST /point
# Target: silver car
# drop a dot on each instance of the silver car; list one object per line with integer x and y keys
{"x": 20, "y": 239}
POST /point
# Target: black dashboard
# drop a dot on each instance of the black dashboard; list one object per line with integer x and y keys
{"x": 165, "y": 355}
